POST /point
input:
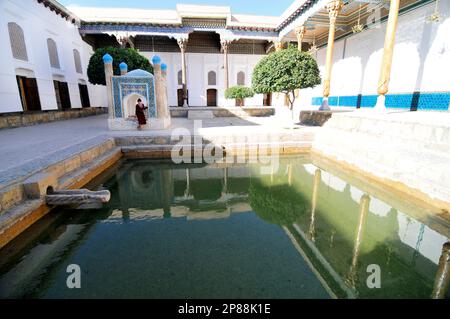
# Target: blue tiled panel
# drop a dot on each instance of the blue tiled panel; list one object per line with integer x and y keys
{"x": 413, "y": 101}
{"x": 316, "y": 101}
{"x": 124, "y": 86}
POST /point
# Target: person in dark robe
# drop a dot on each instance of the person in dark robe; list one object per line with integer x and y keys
{"x": 140, "y": 107}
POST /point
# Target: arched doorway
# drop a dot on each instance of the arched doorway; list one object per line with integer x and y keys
{"x": 180, "y": 97}
{"x": 211, "y": 97}
{"x": 129, "y": 105}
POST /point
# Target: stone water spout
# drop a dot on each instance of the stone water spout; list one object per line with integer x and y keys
{"x": 77, "y": 197}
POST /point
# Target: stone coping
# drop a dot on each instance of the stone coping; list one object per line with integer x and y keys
{"x": 232, "y": 111}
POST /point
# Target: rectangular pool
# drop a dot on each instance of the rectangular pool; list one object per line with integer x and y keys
{"x": 230, "y": 231}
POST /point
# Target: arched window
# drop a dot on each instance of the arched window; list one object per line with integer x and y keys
{"x": 77, "y": 59}
{"x": 53, "y": 53}
{"x": 212, "y": 78}
{"x": 241, "y": 78}
{"x": 180, "y": 78}
{"x": 17, "y": 40}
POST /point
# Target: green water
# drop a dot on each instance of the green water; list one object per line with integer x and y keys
{"x": 228, "y": 232}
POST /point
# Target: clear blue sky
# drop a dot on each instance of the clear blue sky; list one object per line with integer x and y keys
{"x": 257, "y": 7}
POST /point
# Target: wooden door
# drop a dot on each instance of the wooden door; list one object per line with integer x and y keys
{"x": 211, "y": 97}
{"x": 180, "y": 97}
{"x": 267, "y": 101}
{"x": 33, "y": 103}
{"x": 64, "y": 95}
{"x": 84, "y": 95}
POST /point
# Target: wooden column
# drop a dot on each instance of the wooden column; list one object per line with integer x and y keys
{"x": 300, "y": 33}
{"x": 388, "y": 53}
{"x": 333, "y": 7}
{"x": 182, "y": 43}
{"x": 225, "y": 44}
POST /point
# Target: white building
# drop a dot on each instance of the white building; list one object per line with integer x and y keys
{"x": 46, "y": 48}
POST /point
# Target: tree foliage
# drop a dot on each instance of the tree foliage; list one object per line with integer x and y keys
{"x": 239, "y": 92}
{"x": 286, "y": 71}
{"x": 134, "y": 60}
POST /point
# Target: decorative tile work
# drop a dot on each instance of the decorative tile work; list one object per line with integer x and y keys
{"x": 124, "y": 86}
{"x": 439, "y": 101}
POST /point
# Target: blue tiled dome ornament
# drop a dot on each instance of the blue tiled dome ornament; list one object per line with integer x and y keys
{"x": 156, "y": 59}
{"x": 107, "y": 58}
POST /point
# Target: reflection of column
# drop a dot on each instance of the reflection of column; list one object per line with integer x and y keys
{"x": 225, "y": 180}
{"x": 108, "y": 61}
{"x": 333, "y": 7}
{"x": 388, "y": 52}
{"x": 363, "y": 210}
{"x": 167, "y": 190}
{"x": 182, "y": 43}
{"x": 300, "y": 33}
{"x": 225, "y": 44}
{"x": 443, "y": 274}
{"x": 187, "y": 192}
{"x": 315, "y": 193}
{"x": 290, "y": 174}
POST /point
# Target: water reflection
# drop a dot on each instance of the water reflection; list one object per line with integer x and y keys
{"x": 337, "y": 227}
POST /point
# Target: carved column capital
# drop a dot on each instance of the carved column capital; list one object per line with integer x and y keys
{"x": 300, "y": 33}
{"x": 182, "y": 43}
{"x": 225, "y": 45}
{"x": 334, "y": 7}
{"x": 279, "y": 45}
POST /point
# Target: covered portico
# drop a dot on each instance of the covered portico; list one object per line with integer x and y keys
{"x": 373, "y": 53}
{"x": 207, "y": 49}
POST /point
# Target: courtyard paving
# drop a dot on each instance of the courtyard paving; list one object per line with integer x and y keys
{"x": 26, "y": 149}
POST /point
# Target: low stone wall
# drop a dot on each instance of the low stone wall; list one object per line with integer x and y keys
{"x": 225, "y": 111}
{"x": 11, "y": 120}
{"x": 317, "y": 118}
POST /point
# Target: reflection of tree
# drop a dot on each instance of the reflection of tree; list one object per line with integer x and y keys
{"x": 278, "y": 204}
{"x": 147, "y": 178}
{"x": 206, "y": 189}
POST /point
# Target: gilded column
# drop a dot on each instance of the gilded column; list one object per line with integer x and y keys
{"x": 443, "y": 274}
{"x": 225, "y": 44}
{"x": 388, "y": 53}
{"x": 182, "y": 43}
{"x": 300, "y": 33}
{"x": 333, "y": 7}
{"x": 279, "y": 45}
{"x": 108, "y": 61}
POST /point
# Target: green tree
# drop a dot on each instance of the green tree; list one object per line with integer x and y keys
{"x": 239, "y": 93}
{"x": 134, "y": 60}
{"x": 286, "y": 71}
